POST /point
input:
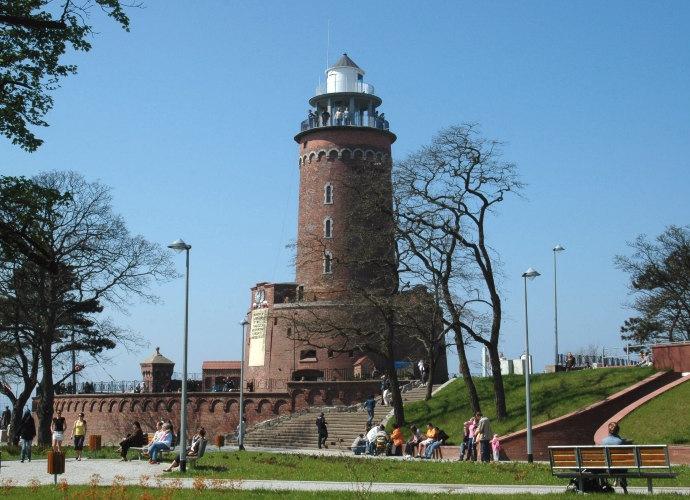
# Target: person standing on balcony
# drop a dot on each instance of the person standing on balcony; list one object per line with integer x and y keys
{"x": 339, "y": 116}
{"x": 346, "y": 116}
{"x": 325, "y": 116}
{"x": 311, "y": 118}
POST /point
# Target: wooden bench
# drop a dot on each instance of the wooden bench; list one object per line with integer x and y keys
{"x": 621, "y": 461}
{"x": 149, "y": 439}
{"x": 202, "y": 449}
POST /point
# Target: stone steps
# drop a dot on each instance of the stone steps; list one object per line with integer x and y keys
{"x": 300, "y": 430}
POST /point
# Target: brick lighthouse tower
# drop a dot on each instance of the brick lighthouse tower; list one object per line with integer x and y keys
{"x": 344, "y": 242}
{"x": 345, "y": 247}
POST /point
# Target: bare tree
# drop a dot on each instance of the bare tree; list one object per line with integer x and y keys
{"x": 444, "y": 193}
{"x": 53, "y": 310}
{"x": 358, "y": 305}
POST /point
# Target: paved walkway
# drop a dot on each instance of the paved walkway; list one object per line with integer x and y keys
{"x": 106, "y": 472}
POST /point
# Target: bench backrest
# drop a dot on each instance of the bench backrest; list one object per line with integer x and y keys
{"x": 202, "y": 448}
{"x": 628, "y": 457}
{"x": 149, "y": 438}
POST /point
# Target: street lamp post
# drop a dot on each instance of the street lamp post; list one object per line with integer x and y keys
{"x": 556, "y": 249}
{"x": 179, "y": 246}
{"x": 531, "y": 274}
{"x": 240, "y": 437}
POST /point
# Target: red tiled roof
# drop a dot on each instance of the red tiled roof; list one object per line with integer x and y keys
{"x": 221, "y": 365}
{"x": 359, "y": 361}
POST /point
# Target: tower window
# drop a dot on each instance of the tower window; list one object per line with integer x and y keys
{"x": 330, "y": 353}
{"x": 328, "y": 194}
{"x": 328, "y": 227}
{"x": 307, "y": 355}
{"x": 327, "y": 263}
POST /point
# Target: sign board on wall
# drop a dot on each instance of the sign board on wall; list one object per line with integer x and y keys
{"x": 257, "y": 337}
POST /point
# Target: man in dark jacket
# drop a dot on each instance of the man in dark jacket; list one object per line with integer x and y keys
{"x": 27, "y": 432}
{"x": 321, "y": 426}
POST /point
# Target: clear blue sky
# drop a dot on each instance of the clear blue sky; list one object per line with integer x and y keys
{"x": 191, "y": 116}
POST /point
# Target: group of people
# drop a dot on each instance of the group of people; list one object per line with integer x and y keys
{"x": 378, "y": 442}
{"x": 58, "y": 428}
{"x": 477, "y": 431}
{"x": 342, "y": 116}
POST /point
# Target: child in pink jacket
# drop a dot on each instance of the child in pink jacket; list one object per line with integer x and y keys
{"x": 496, "y": 446}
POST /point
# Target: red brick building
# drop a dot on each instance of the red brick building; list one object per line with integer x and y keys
{"x": 345, "y": 247}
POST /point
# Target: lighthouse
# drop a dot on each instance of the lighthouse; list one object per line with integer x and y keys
{"x": 345, "y": 251}
{"x": 345, "y": 243}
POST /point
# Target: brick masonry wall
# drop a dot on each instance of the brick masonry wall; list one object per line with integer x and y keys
{"x": 578, "y": 427}
{"x": 336, "y": 157}
{"x": 111, "y": 415}
{"x": 674, "y": 357}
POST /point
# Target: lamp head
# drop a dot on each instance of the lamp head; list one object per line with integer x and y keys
{"x": 530, "y": 273}
{"x": 178, "y": 245}
{"x": 244, "y": 322}
{"x": 558, "y": 248}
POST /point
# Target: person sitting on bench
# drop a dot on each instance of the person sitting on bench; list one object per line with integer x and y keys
{"x": 163, "y": 444}
{"x": 192, "y": 451}
{"x": 613, "y": 439}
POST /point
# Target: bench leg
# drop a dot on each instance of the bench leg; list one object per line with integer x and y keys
{"x": 649, "y": 485}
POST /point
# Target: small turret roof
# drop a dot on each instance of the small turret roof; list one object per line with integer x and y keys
{"x": 345, "y": 62}
{"x": 158, "y": 359}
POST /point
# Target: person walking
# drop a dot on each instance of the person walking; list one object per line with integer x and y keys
{"x": 78, "y": 434}
{"x": 484, "y": 434}
{"x": 27, "y": 433}
{"x": 369, "y": 406}
{"x": 57, "y": 427}
{"x": 322, "y": 428}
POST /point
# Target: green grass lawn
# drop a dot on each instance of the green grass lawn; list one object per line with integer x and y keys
{"x": 553, "y": 395}
{"x": 136, "y": 492}
{"x": 289, "y": 467}
{"x": 664, "y": 419}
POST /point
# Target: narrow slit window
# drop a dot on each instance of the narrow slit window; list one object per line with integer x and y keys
{"x": 328, "y": 194}
{"x": 327, "y": 263}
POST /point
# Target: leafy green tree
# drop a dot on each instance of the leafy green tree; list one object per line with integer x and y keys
{"x": 660, "y": 283}
{"x": 51, "y": 309}
{"x": 34, "y": 37}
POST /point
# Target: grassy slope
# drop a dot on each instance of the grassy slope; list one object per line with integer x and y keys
{"x": 553, "y": 395}
{"x": 664, "y": 419}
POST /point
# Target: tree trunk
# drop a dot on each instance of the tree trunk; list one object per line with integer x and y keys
{"x": 393, "y": 377}
{"x": 497, "y": 377}
{"x": 45, "y": 405}
{"x": 465, "y": 368}
{"x": 430, "y": 379}
{"x": 18, "y": 405}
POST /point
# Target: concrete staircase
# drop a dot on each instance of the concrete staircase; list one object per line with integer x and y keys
{"x": 344, "y": 423}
